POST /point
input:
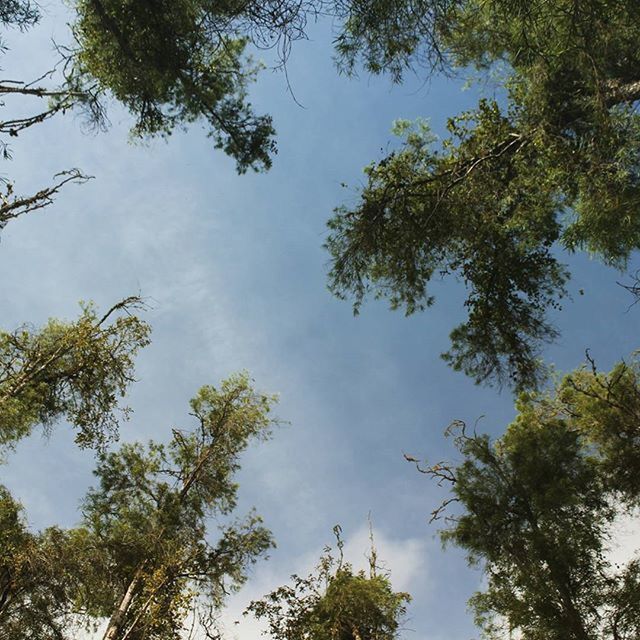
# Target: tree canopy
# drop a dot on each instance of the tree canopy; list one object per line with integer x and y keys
{"x": 169, "y": 63}
{"x": 552, "y": 164}
{"x": 334, "y": 603}
{"x": 536, "y": 510}
{"x": 145, "y": 555}
{"x": 77, "y": 371}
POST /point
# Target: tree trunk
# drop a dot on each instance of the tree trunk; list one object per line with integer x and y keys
{"x": 118, "y": 617}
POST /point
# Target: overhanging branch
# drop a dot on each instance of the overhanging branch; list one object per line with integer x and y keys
{"x": 13, "y": 207}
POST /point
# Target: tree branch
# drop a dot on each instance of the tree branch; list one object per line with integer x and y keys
{"x": 11, "y": 209}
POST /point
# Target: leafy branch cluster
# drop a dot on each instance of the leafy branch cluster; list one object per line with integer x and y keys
{"x": 552, "y": 164}
{"x": 334, "y": 603}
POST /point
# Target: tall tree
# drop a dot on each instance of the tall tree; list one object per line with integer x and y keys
{"x": 334, "y": 603}
{"x": 535, "y": 510}
{"x": 554, "y": 163}
{"x": 145, "y": 556}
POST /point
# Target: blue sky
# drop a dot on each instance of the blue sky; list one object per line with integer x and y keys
{"x": 235, "y": 274}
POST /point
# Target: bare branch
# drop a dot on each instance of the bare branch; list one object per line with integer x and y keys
{"x": 13, "y": 207}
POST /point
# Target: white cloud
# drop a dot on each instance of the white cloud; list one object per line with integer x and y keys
{"x": 625, "y": 538}
{"x": 405, "y": 559}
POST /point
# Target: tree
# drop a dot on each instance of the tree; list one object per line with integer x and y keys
{"x": 75, "y": 371}
{"x": 552, "y": 164}
{"x": 536, "y": 508}
{"x": 145, "y": 555}
{"x": 173, "y": 63}
{"x": 170, "y": 64}
{"x": 33, "y": 592}
{"x": 334, "y": 603}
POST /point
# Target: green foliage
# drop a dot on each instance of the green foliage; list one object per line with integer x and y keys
{"x": 492, "y": 203}
{"x": 35, "y": 582}
{"x": 606, "y": 407}
{"x": 172, "y": 63}
{"x": 334, "y": 603}
{"x": 474, "y": 210}
{"x": 536, "y": 510}
{"x": 385, "y": 36}
{"x": 76, "y": 371}
{"x": 145, "y": 555}
{"x": 443, "y": 34}
{"x": 150, "y": 511}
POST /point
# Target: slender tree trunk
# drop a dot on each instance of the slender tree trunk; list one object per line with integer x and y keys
{"x": 116, "y": 623}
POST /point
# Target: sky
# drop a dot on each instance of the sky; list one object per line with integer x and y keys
{"x": 234, "y": 273}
